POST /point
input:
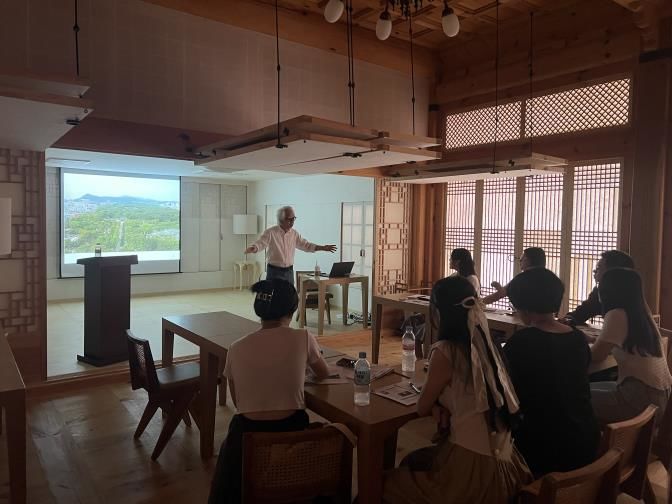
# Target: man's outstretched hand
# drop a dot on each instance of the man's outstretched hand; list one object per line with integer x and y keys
{"x": 251, "y": 250}
{"x": 327, "y": 248}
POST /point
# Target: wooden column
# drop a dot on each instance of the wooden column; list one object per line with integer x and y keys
{"x": 428, "y": 234}
{"x": 652, "y": 115}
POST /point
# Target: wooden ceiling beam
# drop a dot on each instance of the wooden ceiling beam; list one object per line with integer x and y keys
{"x": 647, "y": 15}
{"x": 309, "y": 29}
{"x": 550, "y": 62}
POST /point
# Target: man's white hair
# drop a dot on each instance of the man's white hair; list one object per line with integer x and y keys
{"x": 282, "y": 212}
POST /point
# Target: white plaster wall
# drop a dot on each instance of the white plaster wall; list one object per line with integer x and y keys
{"x": 317, "y": 201}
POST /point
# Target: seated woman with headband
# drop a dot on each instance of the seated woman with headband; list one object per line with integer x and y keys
{"x": 266, "y": 372}
{"x": 477, "y": 462}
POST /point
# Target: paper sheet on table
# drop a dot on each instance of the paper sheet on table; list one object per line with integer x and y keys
{"x": 401, "y": 393}
{"x": 376, "y": 372}
{"x": 332, "y": 380}
{"x": 335, "y": 377}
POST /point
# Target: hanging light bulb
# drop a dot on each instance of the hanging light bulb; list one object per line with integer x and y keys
{"x": 334, "y": 10}
{"x": 384, "y": 26}
{"x": 449, "y": 21}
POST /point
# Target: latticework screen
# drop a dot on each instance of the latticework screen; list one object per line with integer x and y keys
{"x": 589, "y": 107}
{"x": 478, "y": 126}
{"x": 495, "y": 237}
{"x": 498, "y": 235}
{"x": 543, "y": 217}
{"x": 595, "y": 223}
{"x": 460, "y": 215}
{"x": 393, "y": 200}
{"x": 598, "y": 106}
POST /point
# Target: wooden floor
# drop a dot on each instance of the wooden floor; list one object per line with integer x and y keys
{"x": 81, "y": 447}
{"x": 65, "y": 323}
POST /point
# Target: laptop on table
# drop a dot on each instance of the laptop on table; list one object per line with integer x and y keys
{"x": 340, "y": 270}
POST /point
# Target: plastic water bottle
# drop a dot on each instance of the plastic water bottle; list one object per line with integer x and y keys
{"x": 317, "y": 270}
{"x": 362, "y": 381}
{"x": 98, "y": 251}
{"x": 408, "y": 351}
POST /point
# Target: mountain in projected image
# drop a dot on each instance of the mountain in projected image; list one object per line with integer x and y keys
{"x": 120, "y": 224}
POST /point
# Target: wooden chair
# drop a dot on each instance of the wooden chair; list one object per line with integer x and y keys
{"x": 311, "y": 296}
{"x": 595, "y": 483}
{"x": 661, "y": 448}
{"x": 172, "y": 389}
{"x": 297, "y": 466}
{"x": 633, "y": 437}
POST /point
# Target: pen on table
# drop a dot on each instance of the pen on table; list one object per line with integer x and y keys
{"x": 414, "y": 388}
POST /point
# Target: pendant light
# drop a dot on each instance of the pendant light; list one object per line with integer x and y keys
{"x": 384, "y": 25}
{"x": 449, "y": 21}
{"x": 333, "y": 11}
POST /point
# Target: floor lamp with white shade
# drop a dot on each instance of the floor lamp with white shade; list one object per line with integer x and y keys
{"x": 245, "y": 224}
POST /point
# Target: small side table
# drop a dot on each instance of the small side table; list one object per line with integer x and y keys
{"x": 239, "y": 270}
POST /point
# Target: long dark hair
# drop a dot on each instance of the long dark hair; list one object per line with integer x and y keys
{"x": 622, "y": 288}
{"x": 447, "y": 296}
{"x": 465, "y": 263}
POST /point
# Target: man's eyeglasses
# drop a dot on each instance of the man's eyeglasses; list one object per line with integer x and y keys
{"x": 290, "y": 219}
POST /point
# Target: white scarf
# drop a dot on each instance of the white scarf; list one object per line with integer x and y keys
{"x": 481, "y": 370}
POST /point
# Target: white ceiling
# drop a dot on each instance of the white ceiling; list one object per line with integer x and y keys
{"x": 154, "y": 166}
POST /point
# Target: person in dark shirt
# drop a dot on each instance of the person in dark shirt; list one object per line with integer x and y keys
{"x": 533, "y": 257}
{"x": 548, "y": 363}
{"x": 592, "y": 306}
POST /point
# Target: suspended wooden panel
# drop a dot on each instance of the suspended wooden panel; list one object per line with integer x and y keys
{"x": 432, "y": 172}
{"x": 35, "y": 110}
{"x": 51, "y": 84}
{"x": 310, "y": 153}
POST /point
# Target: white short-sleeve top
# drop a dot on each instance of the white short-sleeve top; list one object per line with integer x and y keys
{"x": 268, "y": 368}
{"x": 653, "y": 371}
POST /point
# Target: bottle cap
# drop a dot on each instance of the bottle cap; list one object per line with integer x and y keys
{"x": 362, "y": 355}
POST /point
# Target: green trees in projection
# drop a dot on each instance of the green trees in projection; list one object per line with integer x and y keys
{"x": 123, "y": 228}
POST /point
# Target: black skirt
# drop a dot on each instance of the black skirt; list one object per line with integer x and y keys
{"x": 226, "y": 483}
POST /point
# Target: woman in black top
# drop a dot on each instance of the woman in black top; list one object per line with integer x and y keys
{"x": 548, "y": 364}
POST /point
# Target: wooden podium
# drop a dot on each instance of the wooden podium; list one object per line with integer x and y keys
{"x": 107, "y": 308}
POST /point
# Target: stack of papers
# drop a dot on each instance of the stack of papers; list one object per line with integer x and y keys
{"x": 399, "y": 392}
{"x": 339, "y": 375}
{"x": 417, "y": 299}
{"x": 376, "y": 372}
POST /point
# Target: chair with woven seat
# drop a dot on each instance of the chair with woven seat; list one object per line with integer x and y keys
{"x": 596, "y": 483}
{"x": 633, "y": 437}
{"x": 298, "y": 466}
{"x": 311, "y": 293}
{"x": 172, "y": 389}
{"x": 661, "y": 448}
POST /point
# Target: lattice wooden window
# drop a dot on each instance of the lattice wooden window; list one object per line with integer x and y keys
{"x": 478, "y": 126}
{"x": 393, "y": 200}
{"x": 591, "y": 223}
{"x": 498, "y": 234}
{"x": 460, "y": 210}
{"x": 589, "y": 107}
{"x": 543, "y": 217}
{"x": 598, "y": 106}
{"x": 595, "y": 223}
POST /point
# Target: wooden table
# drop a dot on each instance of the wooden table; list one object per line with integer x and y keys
{"x": 396, "y": 301}
{"x": 13, "y": 402}
{"x": 213, "y": 333}
{"x": 500, "y": 320}
{"x": 375, "y": 425}
{"x": 322, "y": 284}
